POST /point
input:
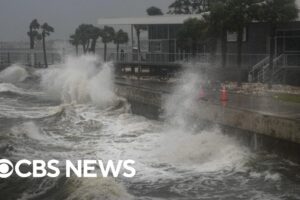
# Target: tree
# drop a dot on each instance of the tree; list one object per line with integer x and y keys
{"x": 200, "y": 6}
{"x": 87, "y": 36}
{"x": 217, "y": 20}
{"x": 193, "y": 32}
{"x": 84, "y": 32}
{"x": 33, "y": 32}
{"x": 121, "y": 37}
{"x": 95, "y": 33}
{"x": 152, "y": 11}
{"x": 179, "y": 7}
{"x": 275, "y": 12}
{"x": 139, "y": 29}
{"x": 108, "y": 35}
{"x": 75, "y": 41}
{"x": 46, "y": 30}
{"x": 188, "y": 6}
{"x": 241, "y": 13}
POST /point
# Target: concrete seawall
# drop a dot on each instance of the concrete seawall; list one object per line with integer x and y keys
{"x": 286, "y": 129}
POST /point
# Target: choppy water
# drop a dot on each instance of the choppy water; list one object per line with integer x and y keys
{"x": 70, "y": 112}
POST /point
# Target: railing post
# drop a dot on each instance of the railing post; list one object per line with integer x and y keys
{"x": 8, "y": 58}
{"x": 139, "y": 64}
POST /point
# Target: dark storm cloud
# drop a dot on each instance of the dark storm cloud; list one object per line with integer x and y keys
{"x": 65, "y": 15}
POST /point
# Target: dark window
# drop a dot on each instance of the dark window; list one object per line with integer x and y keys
{"x": 292, "y": 44}
{"x": 158, "y": 32}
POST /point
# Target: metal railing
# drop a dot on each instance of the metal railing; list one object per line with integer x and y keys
{"x": 30, "y": 58}
{"x": 261, "y": 72}
{"x": 257, "y": 67}
{"x": 158, "y": 58}
{"x": 169, "y": 58}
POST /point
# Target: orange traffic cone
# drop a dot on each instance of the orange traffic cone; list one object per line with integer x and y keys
{"x": 224, "y": 94}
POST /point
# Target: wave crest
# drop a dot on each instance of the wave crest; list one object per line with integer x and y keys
{"x": 13, "y": 74}
{"x": 81, "y": 79}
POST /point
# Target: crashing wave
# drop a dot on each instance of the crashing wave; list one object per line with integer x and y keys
{"x": 83, "y": 79}
{"x": 10, "y": 88}
{"x": 13, "y": 74}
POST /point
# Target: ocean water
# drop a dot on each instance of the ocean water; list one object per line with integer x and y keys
{"x": 70, "y": 112}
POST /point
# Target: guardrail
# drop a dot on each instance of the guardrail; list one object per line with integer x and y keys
{"x": 34, "y": 58}
{"x": 170, "y": 58}
{"x": 262, "y": 73}
{"x": 158, "y": 58}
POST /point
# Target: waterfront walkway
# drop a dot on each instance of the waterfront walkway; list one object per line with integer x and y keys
{"x": 266, "y": 104}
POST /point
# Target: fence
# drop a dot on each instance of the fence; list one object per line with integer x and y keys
{"x": 248, "y": 60}
{"x": 157, "y": 58}
{"x": 29, "y": 58}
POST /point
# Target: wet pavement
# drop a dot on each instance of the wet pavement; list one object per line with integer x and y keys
{"x": 264, "y": 104}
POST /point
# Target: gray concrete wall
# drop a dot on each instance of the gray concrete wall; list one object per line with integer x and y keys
{"x": 265, "y": 124}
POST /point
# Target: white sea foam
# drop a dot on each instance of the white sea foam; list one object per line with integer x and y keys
{"x": 13, "y": 74}
{"x": 100, "y": 188}
{"x": 205, "y": 150}
{"x": 81, "y": 79}
{"x": 8, "y": 87}
{"x": 29, "y": 130}
{"x": 209, "y": 150}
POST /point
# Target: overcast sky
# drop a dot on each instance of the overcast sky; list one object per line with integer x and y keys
{"x": 66, "y": 15}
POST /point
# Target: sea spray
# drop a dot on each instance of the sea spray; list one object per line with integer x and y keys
{"x": 13, "y": 74}
{"x": 180, "y": 104}
{"x": 82, "y": 79}
{"x": 172, "y": 161}
{"x": 184, "y": 143}
{"x": 205, "y": 151}
{"x": 8, "y": 87}
{"x": 29, "y": 130}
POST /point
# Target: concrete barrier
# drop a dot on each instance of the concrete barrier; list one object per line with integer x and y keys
{"x": 267, "y": 124}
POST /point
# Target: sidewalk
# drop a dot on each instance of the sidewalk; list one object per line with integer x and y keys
{"x": 267, "y": 104}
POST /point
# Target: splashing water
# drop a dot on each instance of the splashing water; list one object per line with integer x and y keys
{"x": 185, "y": 144}
{"x": 182, "y": 101}
{"x": 8, "y": 87}
{"x": 86, "y": 120}
{"x": 13, "y": 74}
{"x": 81, "y": 79}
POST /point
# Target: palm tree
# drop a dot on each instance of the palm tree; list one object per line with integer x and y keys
{"x": 75, "y": 41}
{"x": 84, "y": 34}
{"x": 46, "y": 30}
{"x": 274, "y": 13}
{"x": 121, "y": 37}
{"x": 107, "y": 35}
{"x": 33, "y": 32}
{"x": 152, "y": 11}
{"x": 240, "y": 14}
{"x": 95, "y": 33}
{"x": 139, "y": 29}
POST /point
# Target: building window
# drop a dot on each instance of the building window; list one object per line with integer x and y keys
{"x": 232, "y": 36}
{"x": 158, "y": 32}
{"x": 155, "y": 46}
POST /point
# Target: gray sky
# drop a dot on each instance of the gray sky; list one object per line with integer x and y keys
{"x": 65, "y": 15}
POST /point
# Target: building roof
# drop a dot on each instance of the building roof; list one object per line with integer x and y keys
{"x": 165, "y": 19}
